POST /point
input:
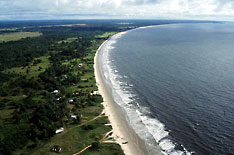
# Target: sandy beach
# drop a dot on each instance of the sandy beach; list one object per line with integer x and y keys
{"x": 123, "y": 134}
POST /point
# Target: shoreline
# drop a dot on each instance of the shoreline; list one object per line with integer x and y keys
{"x": 123, "y": 133}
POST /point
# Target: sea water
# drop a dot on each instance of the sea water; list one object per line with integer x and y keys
{"x": 176, "y": 84}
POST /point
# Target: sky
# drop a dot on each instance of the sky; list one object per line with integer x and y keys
{"x": 117, "y": 9}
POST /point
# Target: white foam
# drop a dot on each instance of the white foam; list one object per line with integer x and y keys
{"x": 167, "y": 145}
{"x": 148, "y": 128}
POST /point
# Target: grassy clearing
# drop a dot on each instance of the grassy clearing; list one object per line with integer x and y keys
{"x": 106, "y": 35}
{"x": 5, "y": 114}
{"x": 65, "y": 25}
{"x": 32, "y": 70}
{"x": 128, "y": 27}
{"x": 76, "y": 139}
{"x": 87, "y": 83}
{"x": 68, "y": 40}
{"x": 17, "y": 36}
{"x": 9, "y": 29}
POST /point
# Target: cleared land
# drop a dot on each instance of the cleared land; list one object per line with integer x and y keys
{"x": 17, "y": 36}
{"x": 68, "y": 40}
{"x": 38, "y": 66}
{"x": 65, "y": 25}
{"x": 106, "y": 35}
{"x": 9, "y": 29}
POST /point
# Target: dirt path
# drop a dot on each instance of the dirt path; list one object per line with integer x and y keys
{"x": 99, "y": 116}
{"x": 83, "y": 150}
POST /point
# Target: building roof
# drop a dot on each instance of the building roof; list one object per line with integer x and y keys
{"x": 59, "y": 130}
{"x": 73, "y": 116}
{"x": 55, "y": 91}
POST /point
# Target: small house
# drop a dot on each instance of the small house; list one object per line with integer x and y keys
{"x": 71, "y": 101}
{"x": 55, "y": 91}
{"x": 84, "y": 80}
{"x": 73, "y": 116}
{"x": 59, "y": 130}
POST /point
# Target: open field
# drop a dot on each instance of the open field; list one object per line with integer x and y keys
{"x": 106, "y": 35}
{"x": 9, "y": 29}
{"x": 68, "y": 40}
{"x": 77, "y": 137}
{"x": 34, "y": 69}
{"x": 65, "y": 25}
{"x": 17, "y": 36}
{"x": 45, "y": 26}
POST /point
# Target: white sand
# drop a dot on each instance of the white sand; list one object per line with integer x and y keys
{"x": 123, "y": 134}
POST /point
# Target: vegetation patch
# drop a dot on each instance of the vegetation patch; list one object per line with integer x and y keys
{"x": 5, "y": 115}
{"x": 65, "y": 25}
{"x": 68, "y": 40}
{"x": 17, "y": 36}
{"x": 105, "y": 35}
{"x": 9, "y": 29}
{"x": 37, "y": 66}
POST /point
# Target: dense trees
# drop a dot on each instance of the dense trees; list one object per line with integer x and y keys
{"x": 21, "y": 53}
{"x": 15, "y": 137}
{"x": 37, "y": 114}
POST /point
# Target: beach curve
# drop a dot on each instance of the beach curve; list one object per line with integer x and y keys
{"x": 123, "y": 134}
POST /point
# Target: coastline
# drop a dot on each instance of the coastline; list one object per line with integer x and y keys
{"x": 123, "y": 134}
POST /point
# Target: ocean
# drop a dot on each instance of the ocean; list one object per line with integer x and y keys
{"x": 176, "y": 84}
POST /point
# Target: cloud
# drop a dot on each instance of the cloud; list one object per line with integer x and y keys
{"x": 141, "y": 2}
{"x": 169, "y": 9}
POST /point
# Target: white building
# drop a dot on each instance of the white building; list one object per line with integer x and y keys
{"x": 55, "y": 91}
{"x": 71, "y": 101}
{"x": 59, "y": 130}
{"x": 73, "y": 116}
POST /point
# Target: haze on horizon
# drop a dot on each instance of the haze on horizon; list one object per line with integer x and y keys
{"x": 117, "y": 9}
